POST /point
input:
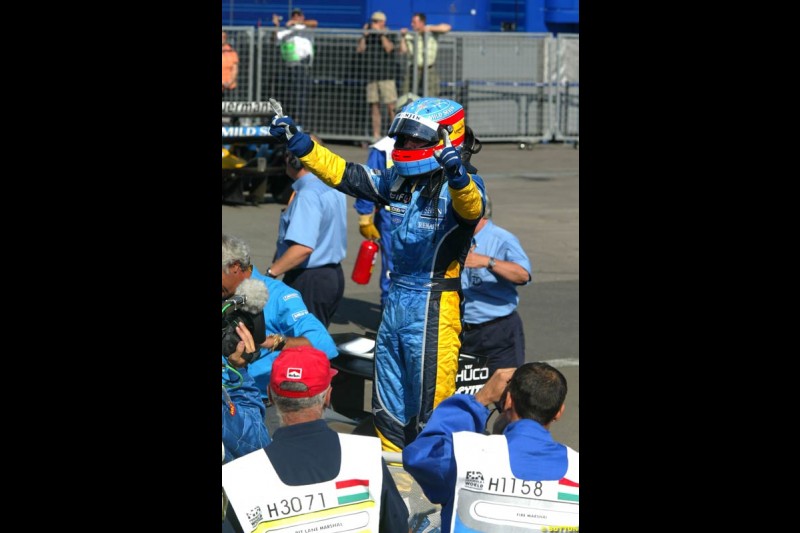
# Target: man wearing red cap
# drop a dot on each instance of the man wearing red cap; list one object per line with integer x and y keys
{"x": 310, "y": 473}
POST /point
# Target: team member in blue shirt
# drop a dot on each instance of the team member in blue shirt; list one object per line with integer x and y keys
{"x": 495, "y": 266}
{"x": 312, "y": 242}
{"x": 288, "y": 322}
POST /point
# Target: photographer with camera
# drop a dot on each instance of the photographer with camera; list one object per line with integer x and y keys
{"x": 455, "y": 463}
{"x": 245, "y": 307}
{"x": 243, "y": 427}
{"x": 288, "y": 323}
{"x": 376, "y": 48}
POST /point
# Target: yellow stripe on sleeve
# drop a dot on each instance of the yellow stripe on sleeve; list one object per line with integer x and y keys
{"x": 467, "y": 201}
{"x": 324, "y": 164}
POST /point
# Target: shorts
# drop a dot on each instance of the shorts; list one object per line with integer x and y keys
{"x": 383, "y": 91}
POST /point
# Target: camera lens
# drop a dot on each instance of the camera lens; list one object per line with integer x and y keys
{"x": 230, "y": 339}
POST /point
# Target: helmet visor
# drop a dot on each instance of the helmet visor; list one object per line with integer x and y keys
{"x": 413, "y": 125}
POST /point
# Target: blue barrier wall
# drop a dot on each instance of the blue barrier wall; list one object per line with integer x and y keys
{"x": 554, "y": 16}
{"x": 331, "y": 14}
{"x": 462, "y": 15}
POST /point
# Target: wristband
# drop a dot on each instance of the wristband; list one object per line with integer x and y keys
{"x": 278, "y": 342}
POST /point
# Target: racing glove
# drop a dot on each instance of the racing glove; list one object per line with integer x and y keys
{"x": 298, "y": 142}
{"x": 450, "y": 159}
{"x": 367, "y": 228}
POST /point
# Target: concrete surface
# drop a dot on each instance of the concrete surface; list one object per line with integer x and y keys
{"x": 535, "y": 196}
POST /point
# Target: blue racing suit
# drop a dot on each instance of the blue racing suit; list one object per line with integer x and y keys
{"x": 532, "y": 452}
{"x": 243, "y": 428}
{"x": 417, "y": 346}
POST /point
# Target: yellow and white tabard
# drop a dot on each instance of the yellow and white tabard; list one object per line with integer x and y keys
{"x": 488, "y": 498}
{"x": 350, "y": 502}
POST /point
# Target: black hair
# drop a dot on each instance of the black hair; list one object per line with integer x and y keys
{"x": 538, "y": 391}
{"x": 293, "y": 162}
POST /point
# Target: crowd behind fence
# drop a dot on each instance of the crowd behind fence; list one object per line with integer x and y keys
{"x": 515, "y": 87}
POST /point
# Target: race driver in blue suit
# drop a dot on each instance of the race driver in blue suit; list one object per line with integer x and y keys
{"x": 374, "y": 222}
{"x": 434, "y": 204}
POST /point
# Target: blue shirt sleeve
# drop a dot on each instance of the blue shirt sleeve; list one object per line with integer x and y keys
{"x": 511, "y": 250}
{"x": 429, "y": 458}
{"x": 286, "y": 313}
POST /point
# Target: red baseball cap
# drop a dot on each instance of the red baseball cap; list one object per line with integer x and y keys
{"x": 305, "y": 365}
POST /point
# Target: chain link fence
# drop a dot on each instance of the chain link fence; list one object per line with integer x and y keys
{"x": 515, "y": 87}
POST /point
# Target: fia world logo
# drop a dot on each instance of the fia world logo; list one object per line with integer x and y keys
{"x": 474, "y": 480}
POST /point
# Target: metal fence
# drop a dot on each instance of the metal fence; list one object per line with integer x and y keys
{"x": 515, "y": 87}
{"x": 566, "y": 84}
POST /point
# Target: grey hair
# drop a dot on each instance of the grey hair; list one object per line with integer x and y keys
{"x": 234, "y": 250}
{"x": 291, "y": 405}
{"x": 487, "y": 212}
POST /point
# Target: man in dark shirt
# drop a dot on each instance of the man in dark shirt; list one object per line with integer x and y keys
{"x": 306, "y": 455}
{"x": 376, "y": 47}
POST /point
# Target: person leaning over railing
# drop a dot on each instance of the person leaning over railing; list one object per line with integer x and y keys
{"x": 421, "y": 47}
{"x": 296, "y": 44}
{"x": 376, "y": 49}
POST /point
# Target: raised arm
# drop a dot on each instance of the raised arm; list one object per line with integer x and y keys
{"x": 438, "y": 28}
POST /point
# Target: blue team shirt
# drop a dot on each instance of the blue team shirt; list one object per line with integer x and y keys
{"x": 317, "y": 218}
{"x": 487, "y": 296}
{"x": 286, "y": 313}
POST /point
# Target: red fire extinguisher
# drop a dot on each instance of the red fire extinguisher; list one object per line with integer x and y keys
{"x": 365, "y": 261}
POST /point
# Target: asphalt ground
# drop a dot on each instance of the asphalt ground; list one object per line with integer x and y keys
{"x": 534, "y": 195}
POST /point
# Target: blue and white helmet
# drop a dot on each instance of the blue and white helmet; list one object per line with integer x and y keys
{"x": 423, "y": 119}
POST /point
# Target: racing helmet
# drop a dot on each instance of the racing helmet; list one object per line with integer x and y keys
{"x": 422, "y": 120}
